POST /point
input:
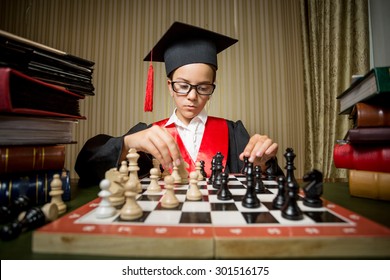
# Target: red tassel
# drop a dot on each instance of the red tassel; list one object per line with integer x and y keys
{"x": 148, "y": 105}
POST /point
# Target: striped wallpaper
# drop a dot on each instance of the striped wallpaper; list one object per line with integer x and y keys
{"x": 259, "y": 81}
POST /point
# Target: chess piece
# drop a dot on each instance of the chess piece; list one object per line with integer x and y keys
{"x": 290, "y": 156}
{"x": 154, "y": 187}
{"x": 193, "y": 193}
{"x": 56, "y": 193}
{"x": 202, "y": 171}
{"x": 183, "y": 173}
{"x": 259, "y": 185}
{"x": 291, "y": 210}
{"x": 313, "y": 189}
{"x": 11, "y": 211}
{"x": 169, "y": 200}
{"x": 105, "y": 209}
{"x": 280, "y": 198}
{"x": 218, "y": 168}
{"x": 175, "y": 175}
{"x": 198, "y": 168}
{"x": 224, "y": 192}
{"x": 212, "y": 176}
{"x": 131, "y": 210}
{"x": 156, "y": 165}
{"x": 117, "y": 179}
{"x": 50, "y": 210}
{"x": 250, "y": 199}
{"x": 245, "y": 166}
{"x": 132, "y": 157}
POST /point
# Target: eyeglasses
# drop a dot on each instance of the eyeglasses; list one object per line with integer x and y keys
{"x": 185, "y": 88}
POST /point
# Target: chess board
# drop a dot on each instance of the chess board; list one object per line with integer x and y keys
{"x": 211, "y": 228}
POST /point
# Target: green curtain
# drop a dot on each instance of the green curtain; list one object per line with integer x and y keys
{"x": 335, "y": 38}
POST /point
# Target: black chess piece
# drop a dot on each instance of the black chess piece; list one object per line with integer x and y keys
{"x": 202, "y": 171}
{"x": 250, "y": 199}
{"x": 313, "y": 189}
{"x": 17, "y": 206}
{"x": 280, "y": 198}
{"x": 291, "y": 210}
{"x": 33, "y": 218}
{"x": 212, "y": 176}
{"x": 259, "y": 185}
{"x": 271, "y": 169}
{"x": 290, "y": 156}
{"x": 224, "y": 192}
{"x": 218, "y": 169}
{"x": 245, "y": 167}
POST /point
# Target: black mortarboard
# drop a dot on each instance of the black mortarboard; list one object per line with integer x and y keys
{"x": 185, "y": 44}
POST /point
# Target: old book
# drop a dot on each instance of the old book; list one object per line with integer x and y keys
{"x": 369, "y": 135}
{"x": 369, "y": 184}
{"x": 374, "y": 85}
{"x": 362, "y": 157}
{"x": 370, "y": 115}
{"x": 28, "y": 130}
{"x": 22, "y": 159}
{"x": 21, "y": 94}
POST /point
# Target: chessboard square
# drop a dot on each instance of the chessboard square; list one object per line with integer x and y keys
{"x": 150, "y": 197}
{"x": 160, "y": 207}
{"x": 259, "y": 218}
{"x": 163, "y": 217}
{"x": 148, "y": 205}
{"x": 221, "y": 218}
{"x": 266, "y": 197}
{"x": 196, "y": 206}
{"x": 270, "y": 183}
{"x": 204, "y": 192}
{"x": 237, "y": 191}
{"x": 223, "y": 206}
{"x": 323, "y": 217}
{"x": 278, "y": 215}
{"x": 214, "y": 199}
{"x": 138, "y": 220}
{"x": 236, "y": 182}
{"x": 181, "y": 197}
{"x": 195, "y": 218}
{"x": 241, "y": 208}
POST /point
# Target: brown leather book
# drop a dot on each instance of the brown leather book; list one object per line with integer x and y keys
{"x": 16, "y": 159}
{"x": 369, "y": 184}
{"x": 370, "y": 115}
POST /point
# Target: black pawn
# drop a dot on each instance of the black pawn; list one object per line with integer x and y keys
{"x": 291, "y": 210}
{"x": 250, "y": 199}
{"x": 202, "y": 171}
{"x": 259, "y": 185}
{"x": 280, "y": 198}
{"x": 33, "y": 219}
{"x": 245, "y": 167}
{"x": 218, "y": 169}
{"x": 212, "y": 176}
{"x": 224, "y": 192}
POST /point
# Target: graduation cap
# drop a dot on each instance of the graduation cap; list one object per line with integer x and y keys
{"x": 184, "y": 44}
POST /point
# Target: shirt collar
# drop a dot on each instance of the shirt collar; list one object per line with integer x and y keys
{"x": 202, "y": 116}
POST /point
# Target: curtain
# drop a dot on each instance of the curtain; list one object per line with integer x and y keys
{"x": 335, "y": 38}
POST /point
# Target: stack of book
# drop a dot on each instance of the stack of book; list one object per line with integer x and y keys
{"x": 40, "y": 91}
{"x": 365, "y": 151}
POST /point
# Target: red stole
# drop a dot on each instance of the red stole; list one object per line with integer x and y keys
{"x": 215, "y": 139}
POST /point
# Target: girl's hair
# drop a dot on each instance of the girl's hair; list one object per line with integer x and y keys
{"x": 170, "y": 76}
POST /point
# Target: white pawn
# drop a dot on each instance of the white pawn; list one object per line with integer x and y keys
{"x": 132, "y": 156}
{"x": 193, "y": 192}
{"x": 131, "y": 210}
{"x": 198, "y": 168}
{"x": 56, "y": 194}
{"x": 169, "y": 199}
{"x": 156, "y": 165}
{"x": 175, "y": 175}
{"x": 154, "y": 187}
{"x": 105, "y": 209}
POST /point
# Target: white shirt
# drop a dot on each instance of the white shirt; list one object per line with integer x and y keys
{"x": 192, "y": 134}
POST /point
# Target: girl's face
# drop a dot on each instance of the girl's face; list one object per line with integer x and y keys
{"x": 190, "y": 105}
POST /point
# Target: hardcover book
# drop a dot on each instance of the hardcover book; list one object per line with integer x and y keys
{"x": 370, "y": 115}
{"x": 369, "y": 184}
{"x": 22, "y": 159}
{"x": 369, "y": 135}
{"x": 21, "y": 94}
{"x": 374, "y": 85}
{"x": 362, "y": 157}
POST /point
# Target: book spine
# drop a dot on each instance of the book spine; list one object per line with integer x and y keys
{"x": 31, "y": 158}
{"x": 36, "y": 186}
{"x": 369, "y": 184}
{"x": 369, "y": 158}
{"x": 371, "y": 115}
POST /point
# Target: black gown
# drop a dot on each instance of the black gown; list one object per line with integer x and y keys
{"x": 102, "y": 152}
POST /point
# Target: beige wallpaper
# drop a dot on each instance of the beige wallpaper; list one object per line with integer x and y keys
{"x": 260, "y": 79}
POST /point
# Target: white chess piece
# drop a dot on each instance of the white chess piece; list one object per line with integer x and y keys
{"x": 131, "y": 210}
{"x": 56, "y": 193}
{"x": 132, "y": 156}
{"x": 175, "y": 175}
{"x": 105, "y": 209}
{"x": 193, "y": 192}
{"x": 198, "y": 168}
{"x": 154, "y": 187}
{"x": 169, "y": 199}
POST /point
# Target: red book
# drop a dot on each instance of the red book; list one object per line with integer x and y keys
{"x": 22, "y": 94}
{"x": 362, "y": 157}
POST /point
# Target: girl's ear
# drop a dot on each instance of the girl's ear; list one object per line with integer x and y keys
{"x": 169, "y": 87}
